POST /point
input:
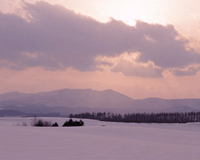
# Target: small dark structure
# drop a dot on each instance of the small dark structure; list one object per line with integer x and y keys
{"x": 55, "y": 124}
{"x": 72, "y": 123}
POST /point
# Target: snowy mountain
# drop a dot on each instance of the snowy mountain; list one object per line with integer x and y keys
{"x": 81, "y": 100}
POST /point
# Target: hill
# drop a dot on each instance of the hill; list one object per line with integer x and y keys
{"x": 67, "y": 101}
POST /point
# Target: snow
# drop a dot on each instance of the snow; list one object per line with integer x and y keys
{"x": 98, "y": 141}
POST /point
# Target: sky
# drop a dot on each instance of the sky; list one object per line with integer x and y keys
{"x": 140, "y": 48}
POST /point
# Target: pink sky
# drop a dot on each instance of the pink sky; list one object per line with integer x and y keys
{"x": 141, "y": 51}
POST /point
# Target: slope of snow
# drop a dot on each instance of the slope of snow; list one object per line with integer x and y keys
{"x": 99, "y": 141}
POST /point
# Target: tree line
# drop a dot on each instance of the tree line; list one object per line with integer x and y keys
{"x": 141, "y": 117}
{"x": 42, "y": 123}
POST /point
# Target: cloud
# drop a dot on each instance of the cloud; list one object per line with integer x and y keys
{"x": 133, "y": 69}
{"x": 56, "y": 38}
{"x": 127, "y": 63}
{"x": 189, "y": 71}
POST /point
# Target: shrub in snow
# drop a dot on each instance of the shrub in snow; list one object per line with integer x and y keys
{"x": 72, "y": 123}
{"x": 23, "y": 124}
{"x": 55, "y": 124}
{"x": 40, "y": 123}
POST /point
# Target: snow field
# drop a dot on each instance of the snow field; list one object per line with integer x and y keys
{"x": 112, "y": 141}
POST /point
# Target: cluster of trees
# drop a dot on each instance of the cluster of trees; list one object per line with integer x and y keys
{"x": 73, "y": 123}
{"x": 142, "y": 117}
{"x": 41, "y": 123}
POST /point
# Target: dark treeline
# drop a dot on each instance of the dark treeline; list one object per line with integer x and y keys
{"x": 43, "y": 123}
{"x": 141, "y": 117}
{"x": 71, "y": 123}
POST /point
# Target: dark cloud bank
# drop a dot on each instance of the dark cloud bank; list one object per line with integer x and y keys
{"x": 57, "y": 38}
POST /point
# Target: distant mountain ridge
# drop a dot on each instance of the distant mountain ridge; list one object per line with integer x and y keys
{"x": 68, "y": 98}
{"x": 82, "y": 100}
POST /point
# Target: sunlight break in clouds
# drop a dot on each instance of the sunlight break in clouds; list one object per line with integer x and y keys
{"x": 128, "y": 65}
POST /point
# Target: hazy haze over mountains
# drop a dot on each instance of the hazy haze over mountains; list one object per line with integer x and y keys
{"x": 67, "y": 101}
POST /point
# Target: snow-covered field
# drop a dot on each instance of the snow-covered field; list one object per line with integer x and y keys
{"x": 98, "y": 141}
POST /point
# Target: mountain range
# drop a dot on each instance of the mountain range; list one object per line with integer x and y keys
{"x": 68, "y": 101}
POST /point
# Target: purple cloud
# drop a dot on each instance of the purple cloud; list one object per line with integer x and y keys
{"x": 191, "y": 71}
{"x": 57, "y": 38}
{"x": 130, "y": 69}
